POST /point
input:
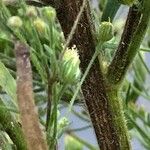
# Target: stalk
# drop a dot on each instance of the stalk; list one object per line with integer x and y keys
{"x": 94, "y": 86}
{"x": 119, "y": 122}
{"x": 135, "y": 29}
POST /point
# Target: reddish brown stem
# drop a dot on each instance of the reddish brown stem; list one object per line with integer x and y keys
{"x": 94, "y": 89}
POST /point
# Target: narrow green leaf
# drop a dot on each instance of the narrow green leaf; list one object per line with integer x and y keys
{"x": 8, "y": 83}
{"x": 110, "y": 10}
{"x": 37, "y": 64}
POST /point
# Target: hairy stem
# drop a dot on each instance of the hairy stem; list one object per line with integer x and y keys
{"x": 94, "y": 86}
{"x": 135, "y": 29}
{"x": 119, "y": 122}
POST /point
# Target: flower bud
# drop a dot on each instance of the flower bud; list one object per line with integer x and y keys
{"x": 127, "y": 2}
{"x": 70, "y": 68}
{"x": 49, "y": 13}
{"x": 106, "y": 31}
{"x": 72, "y": 144}
{"x": 105, "y": 66}
{"x": 14, "y": 22}
{"x": 40, "y": 25}
{"x": 62, "y": 124}
{"x": 31, "y": 11}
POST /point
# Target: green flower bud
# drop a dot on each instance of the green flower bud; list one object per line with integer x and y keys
{"x": 105, "y": 66}
{"x": 49, "y": 13}
{"x": 70, "y": 66}
{"x": 14, "y": 22}
{"x": 63, "y": 122}
{"x": 31, "y": 12}
{"x": 72, "y": 144}
{"x": 127, "y": 2}
{"x": 62, "y": 125}
{"x": 40, "y": 25}
{"x": 106, "y": 31}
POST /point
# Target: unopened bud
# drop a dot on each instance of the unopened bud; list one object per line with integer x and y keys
{"x": 31, "y": 12}
{"x": 70, "y": 66}
{"x": 63, "y": 122}
{"x": 49, "y": 13}
{"x": 62, "y": 125}
{"x": 40, "y": 25}
{"x": 106, "y": 31}
{"x": 14, "y": 22}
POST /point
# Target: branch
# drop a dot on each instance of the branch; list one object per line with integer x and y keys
{"x": 29, "y": 115}
{"x": 94, "y": 88}
{"x": 132, "y": 37}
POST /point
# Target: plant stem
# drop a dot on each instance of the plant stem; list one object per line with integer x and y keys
{"x": 135, "y": 29}
{"x": 83, "y": 79}
{"x": 94, "y": 86}
{"x": 119, "y": 122}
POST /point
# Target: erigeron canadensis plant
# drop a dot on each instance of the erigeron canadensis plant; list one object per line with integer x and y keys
{"x": 51, "y": 58}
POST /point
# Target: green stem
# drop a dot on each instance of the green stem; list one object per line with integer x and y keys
{"x": 133, "y": 35}
{"x": 52, "y": 124}
{"x": 116, "y": 107}
{"x": 140, "y": 32}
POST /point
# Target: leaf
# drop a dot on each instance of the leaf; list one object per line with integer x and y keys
{"x": 140, "y": 130}
{"x": 110, "y": 10}
{"x": 38, "y": 66}
{"x": 10, "y": 125}
{"x": 8, "y": 83}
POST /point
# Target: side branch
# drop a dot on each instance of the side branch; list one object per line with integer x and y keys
{"x": 133, "y": 35}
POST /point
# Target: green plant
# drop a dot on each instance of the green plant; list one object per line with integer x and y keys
{"x": 48, "y": 54}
